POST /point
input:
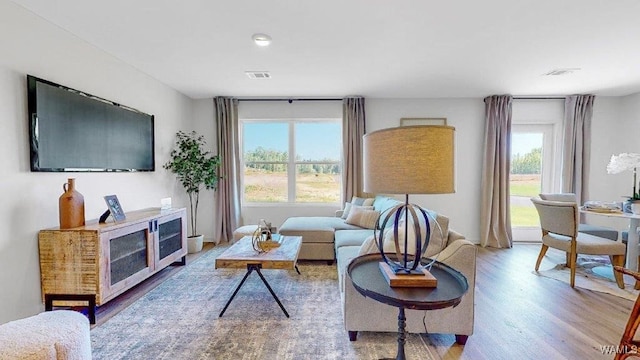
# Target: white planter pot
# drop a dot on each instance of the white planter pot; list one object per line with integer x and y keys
{"x": 635, "y": 207}
{"x": 194, "y": 243}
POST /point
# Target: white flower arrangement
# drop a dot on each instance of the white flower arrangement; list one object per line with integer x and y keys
{"x": 624, "y": 162}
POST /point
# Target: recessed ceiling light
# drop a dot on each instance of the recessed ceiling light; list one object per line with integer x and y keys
{"x": 261, "y": 39}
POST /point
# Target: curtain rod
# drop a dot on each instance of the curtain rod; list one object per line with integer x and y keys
{"x": 290, "y": 100}
{"x": 539, "y": 98}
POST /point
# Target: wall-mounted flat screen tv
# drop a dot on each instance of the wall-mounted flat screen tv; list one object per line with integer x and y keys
{"x": 73, "y": 131}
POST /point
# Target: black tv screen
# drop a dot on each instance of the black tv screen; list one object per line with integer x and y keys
{"x": 70, "y": 130}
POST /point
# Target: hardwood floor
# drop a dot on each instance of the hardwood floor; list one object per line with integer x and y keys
{"x": 518, "y": 315}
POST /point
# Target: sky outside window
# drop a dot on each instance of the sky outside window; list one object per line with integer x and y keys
{"x": 315, "y": 141}
{"x": 523, "y": 143}
{"x": 268, "y": 135}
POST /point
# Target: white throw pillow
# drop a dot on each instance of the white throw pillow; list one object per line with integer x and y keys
{"x": 345, "y": 211}
{"x": 439, "y": 232}
{"x": 369, "y": 246}
{"x": 363, "y": 217}
{"x": 349, "y": 206}
{"x": 362, "y": 201}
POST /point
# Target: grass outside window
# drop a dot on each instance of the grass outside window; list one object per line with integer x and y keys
{"x": 522, "y": 188}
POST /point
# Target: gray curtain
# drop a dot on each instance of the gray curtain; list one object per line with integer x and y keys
{"x": 576, "y": 153}
{"x": 353, "y": 129}
{"x": 227, "y": 215}
{"x": 495, "y": 219}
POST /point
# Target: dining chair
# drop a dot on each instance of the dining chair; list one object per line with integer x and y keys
{"x": 559, "y": 223}
{"x": 627, "y": 342}
{"x": 601, "y": 231}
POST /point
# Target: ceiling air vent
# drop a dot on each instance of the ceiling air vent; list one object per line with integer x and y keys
{"x": 565, "y": 71}
{"x": 258, "y": 74}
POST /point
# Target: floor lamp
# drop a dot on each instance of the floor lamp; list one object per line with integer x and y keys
{"x": 408, "y": 160}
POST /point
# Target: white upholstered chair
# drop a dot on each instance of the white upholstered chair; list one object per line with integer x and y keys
{"x": 559, "y": 223}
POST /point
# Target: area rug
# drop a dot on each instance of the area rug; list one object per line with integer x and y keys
{"x": 179, "y": 319}
{"x": 586, "y": 278}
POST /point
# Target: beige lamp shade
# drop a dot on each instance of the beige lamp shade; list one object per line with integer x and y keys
{"x": 409, "y": 160}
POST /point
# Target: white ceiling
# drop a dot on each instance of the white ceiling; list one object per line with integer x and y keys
{"x": 374, "y": 48}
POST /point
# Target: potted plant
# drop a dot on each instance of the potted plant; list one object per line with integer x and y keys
{"x": 196, "y": 169}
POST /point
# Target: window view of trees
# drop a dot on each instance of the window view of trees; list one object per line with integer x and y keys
{"x": 317, "y": 176}
{"x": 529, "y": 163}
{"x": 262, "y": 159}
{"x": 525, "y": 182}
{"x": 272, "y": 160}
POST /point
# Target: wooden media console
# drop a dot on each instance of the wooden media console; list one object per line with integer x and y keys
{"x": 105, "y": 260}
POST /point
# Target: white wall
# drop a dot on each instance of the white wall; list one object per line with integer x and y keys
{"x": 30, "y": 45}
{"x": 203, "y": 122}
{"x": 615, "y": 121}
{"x": 467, "y": 116}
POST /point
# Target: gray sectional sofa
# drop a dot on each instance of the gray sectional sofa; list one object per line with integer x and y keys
{"x": 329, "y": 238}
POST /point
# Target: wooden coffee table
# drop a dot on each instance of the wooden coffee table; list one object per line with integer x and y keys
{"x": 242, "y": 255}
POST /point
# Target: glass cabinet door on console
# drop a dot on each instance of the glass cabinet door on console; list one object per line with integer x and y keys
{"x": 128, "y": 257}
{"x": 170, "y": 238}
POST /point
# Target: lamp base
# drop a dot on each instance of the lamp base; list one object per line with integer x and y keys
{"x": 422, "y": 279}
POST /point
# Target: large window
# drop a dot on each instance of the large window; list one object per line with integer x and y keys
{"x": 292, "y": 161}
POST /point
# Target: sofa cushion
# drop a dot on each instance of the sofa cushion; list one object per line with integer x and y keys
{"x": 363, "y": 217}
{"x": 351, "y": 237}
{"x": 318, "y": 229}
{"x": 344, "y": 255}
{"x": 312, "y": 229}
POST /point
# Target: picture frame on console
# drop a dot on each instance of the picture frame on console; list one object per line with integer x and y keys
{"x": 422, "y": 121}
{"x": 114, "y": 207}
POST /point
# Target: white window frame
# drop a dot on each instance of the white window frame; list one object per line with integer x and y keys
{"x": 291, "y": 162}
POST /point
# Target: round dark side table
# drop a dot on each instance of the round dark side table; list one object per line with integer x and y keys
{"x": 368, "y": 280}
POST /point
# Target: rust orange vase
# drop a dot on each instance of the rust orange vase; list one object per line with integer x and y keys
{"x": 71, "y": 206}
